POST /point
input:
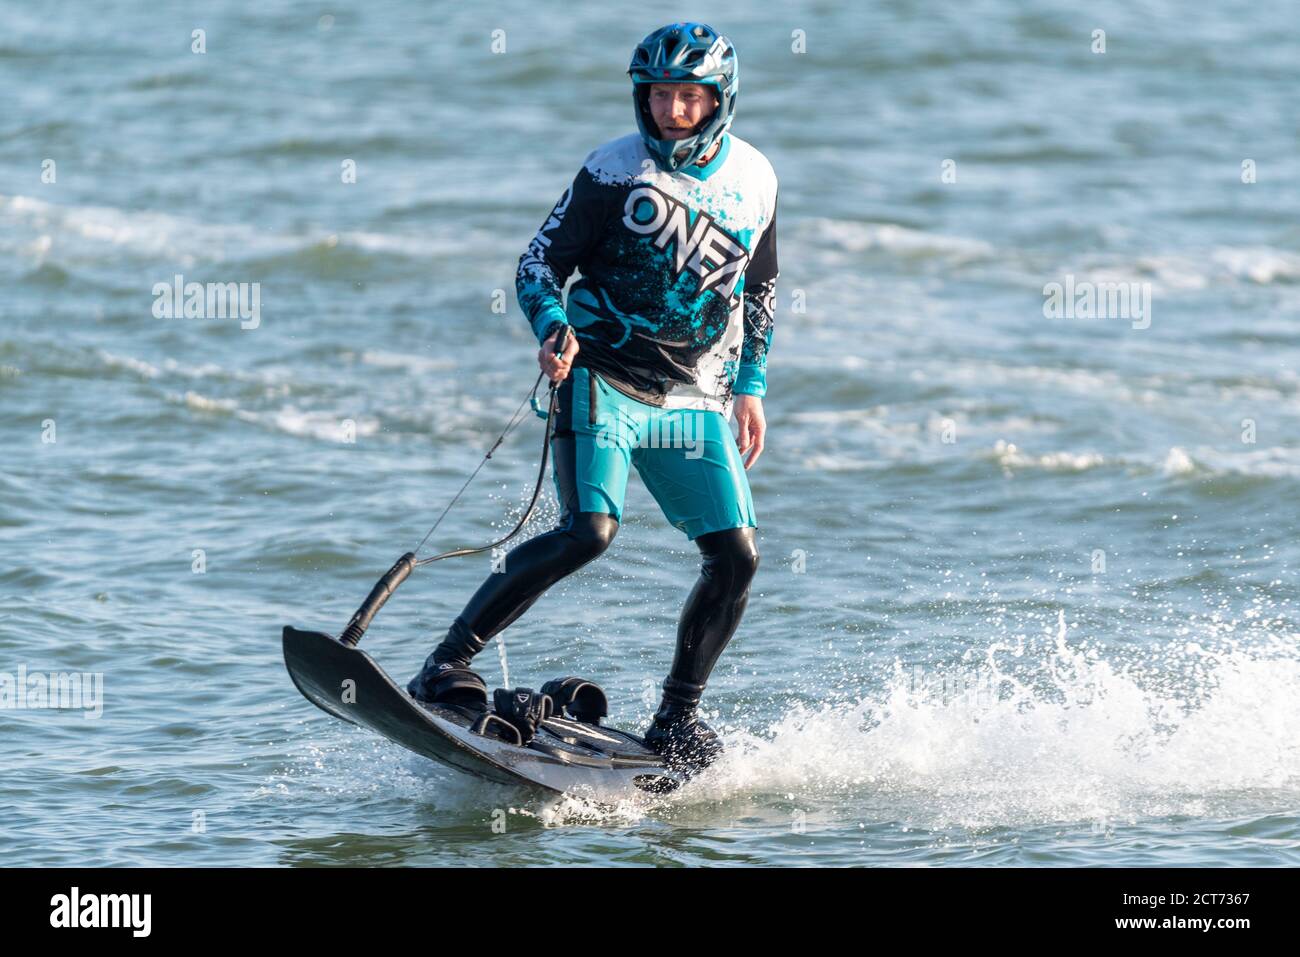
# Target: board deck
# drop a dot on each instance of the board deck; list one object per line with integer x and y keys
{"x": 565, "y": 757}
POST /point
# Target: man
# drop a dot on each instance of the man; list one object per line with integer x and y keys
{"x": 674, "y": 232}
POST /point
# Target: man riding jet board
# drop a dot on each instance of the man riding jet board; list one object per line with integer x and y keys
{"x": 673, "y": 230}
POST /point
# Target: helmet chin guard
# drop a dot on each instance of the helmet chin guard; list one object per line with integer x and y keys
{"x": 684, "y": 53}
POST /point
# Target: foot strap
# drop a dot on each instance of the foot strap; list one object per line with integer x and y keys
{"x": 577, "y": 698}
{"x": 450, "y": 685}
{"x": 494, "y": 726}
{"x": 524, "y": 708}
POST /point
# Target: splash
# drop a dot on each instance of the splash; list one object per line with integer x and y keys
{"x": 1036, "y": 734}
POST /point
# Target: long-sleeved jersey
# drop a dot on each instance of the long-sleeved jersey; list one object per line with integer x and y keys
{"x": 678, "y": 273}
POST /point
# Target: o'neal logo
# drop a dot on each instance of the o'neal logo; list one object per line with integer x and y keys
{"x": 705, "y": 249}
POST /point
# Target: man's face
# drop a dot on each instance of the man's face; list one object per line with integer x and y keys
{"x": 679, "y": 108}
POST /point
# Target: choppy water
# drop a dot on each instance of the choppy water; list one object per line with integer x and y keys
{"x": 1047, "y": 611}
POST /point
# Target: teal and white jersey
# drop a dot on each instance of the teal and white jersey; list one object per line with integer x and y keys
{"x": 677, "y": 273}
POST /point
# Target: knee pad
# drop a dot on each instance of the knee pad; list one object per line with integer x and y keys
{"x": 591, "y": 533}
{"x": 731, "y": 551}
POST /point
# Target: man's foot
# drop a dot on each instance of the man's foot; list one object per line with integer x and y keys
{"x": 446, "y": 683}
{"x": 445, "y": 677}
{"x": 683, "y": 740}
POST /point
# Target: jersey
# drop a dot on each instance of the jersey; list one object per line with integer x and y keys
{"x": 674, "y": 302}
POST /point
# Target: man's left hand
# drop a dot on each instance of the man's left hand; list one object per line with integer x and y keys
{"x": 753, "y": 427}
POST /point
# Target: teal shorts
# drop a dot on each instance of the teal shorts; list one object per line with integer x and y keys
{"x": 687, "y": 458}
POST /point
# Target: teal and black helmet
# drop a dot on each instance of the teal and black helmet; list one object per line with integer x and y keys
{"x": 684, "y": 53}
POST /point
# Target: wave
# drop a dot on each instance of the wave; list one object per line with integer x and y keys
{"x": 310, "y": 424}
{"x": 144, "y": 233}
{"x": 44, "y": 131}
{"x": 173, "y": 80}
{"x": 406, "y": 361}
{"x": 314, "y": 147}
{"x": 852, "y": 236}
{"x": 1170, "y": 272}
{"x": 1007, "y": 455}
{"x": 1191, "y": 271}
{"x": 901, "y": 450}
{"x": 64, "y": 234}
{"x": 208, "y": 371}
{"x": 1274, "y": 462}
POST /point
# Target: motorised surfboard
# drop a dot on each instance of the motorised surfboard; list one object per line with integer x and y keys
{"x": 564, "y": 756}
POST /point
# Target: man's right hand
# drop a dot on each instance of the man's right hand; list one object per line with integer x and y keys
{"x": 557, "y": 367}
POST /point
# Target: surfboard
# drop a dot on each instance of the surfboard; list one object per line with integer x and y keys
{"x": 564, "y": 757}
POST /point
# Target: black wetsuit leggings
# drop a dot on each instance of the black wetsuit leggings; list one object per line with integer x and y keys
{"x": 713, "y": 608}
